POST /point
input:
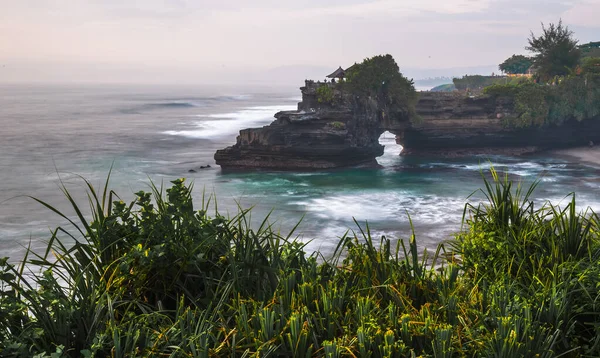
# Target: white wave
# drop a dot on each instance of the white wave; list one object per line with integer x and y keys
{"x": 378, "y": 206}
{"x": 229, "y": 124}
{"x": 238, "y": 97}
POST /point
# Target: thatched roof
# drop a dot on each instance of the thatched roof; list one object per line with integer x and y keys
{"x": 339, "y": 73}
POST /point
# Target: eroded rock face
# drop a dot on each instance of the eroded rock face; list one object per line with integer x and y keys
{"x": 346, "y": 133}
{"x": 316, "y": 136}
{"x": 453, "y": 124}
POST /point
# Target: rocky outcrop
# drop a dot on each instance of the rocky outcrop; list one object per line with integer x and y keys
{"x": 318, "y": 135}
{"x": 452, "y": 124}
{"x": 345, "y": 132}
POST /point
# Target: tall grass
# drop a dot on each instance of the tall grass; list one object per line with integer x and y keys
{"x": 160, "y": 277}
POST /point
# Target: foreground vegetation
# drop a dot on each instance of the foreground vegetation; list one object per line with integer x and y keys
{"x": 158, "y": 277}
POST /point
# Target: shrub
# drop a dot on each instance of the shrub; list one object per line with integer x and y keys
{"x": 337, "y": 125}
{"x": 573, "y": 97}
{"x": 477, "y": 82}
{"x": 379, "y": 77}
{"x": 325, "y": 94}
{"x": 158, "y": 277}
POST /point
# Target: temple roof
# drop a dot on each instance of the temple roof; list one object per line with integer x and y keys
{"x": 339, "y": 73}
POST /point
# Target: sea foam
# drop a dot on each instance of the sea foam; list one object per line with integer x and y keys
{"x": 228, "y": 124}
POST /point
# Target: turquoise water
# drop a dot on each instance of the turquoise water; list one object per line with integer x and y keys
{"x": 53, "y": 133}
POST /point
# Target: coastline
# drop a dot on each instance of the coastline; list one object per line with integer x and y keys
{"x": 587, "y": 155}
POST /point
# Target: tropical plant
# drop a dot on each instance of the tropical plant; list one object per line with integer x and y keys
{"x": 158, "y": 277}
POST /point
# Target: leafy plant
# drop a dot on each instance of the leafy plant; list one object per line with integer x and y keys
{"x": 516, "y": 64}
{"x": 158, "y": 277}
{"x": 325, "y": 94}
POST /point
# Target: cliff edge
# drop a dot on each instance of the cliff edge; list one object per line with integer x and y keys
{"x": 342, "y": 132}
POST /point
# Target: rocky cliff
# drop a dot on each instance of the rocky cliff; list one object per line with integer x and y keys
{"x": 342, "y": 132}
{"x": 345, "y": 131}
{"x": 452, "y": 124}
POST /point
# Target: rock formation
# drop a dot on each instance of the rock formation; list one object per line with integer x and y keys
{"x": 452, "y": 124}
{"x": 345, "y": 131}
{"x": 318, "y": 135}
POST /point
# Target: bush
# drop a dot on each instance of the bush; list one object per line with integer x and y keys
{"x": 501, "y": 90}
{"x": 337, "y": 125}
{"x": 477, "y": 82}
{"x": 379, "y": 77}
{"x": 531, "y": 103}
{"x": 573, "y": 97}
{"x": 157, "y": 277}
{"x": 325, "y": 94}
{"x": 590, "y": 65}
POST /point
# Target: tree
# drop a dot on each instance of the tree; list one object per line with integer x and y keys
{"x": 556, "y": 51}
{"x": 379, "y": 77}
{"x": 516, "y": 64}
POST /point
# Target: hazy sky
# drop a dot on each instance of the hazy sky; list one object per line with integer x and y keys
{"x": 195, "y": 40}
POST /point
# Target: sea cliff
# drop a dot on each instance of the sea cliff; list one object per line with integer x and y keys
{"x": 345, "y": 131}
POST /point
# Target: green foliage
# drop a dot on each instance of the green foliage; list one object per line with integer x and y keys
{"x": 537, "y": 260}
{"x": 337, "y": 125}
{"x": 531, "y": 102}
{"x": 590, "y": 65}
{"x": 573, "y": 97}
{"x": 477, "y": 82}
{"x": 590, "y": 49}
{"x": 516, "y": 64}
{"x": 555, "y": 51}
{"x": 158, "y": 277}
{"x": 379, "y": 77}
{"x": 576, "y": 97}
{"x": 325, "y": 94}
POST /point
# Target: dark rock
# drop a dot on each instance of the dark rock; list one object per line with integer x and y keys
{"x": 191, "y": 171}
{"x": 322, "y": 136}
{"x": 316, "y": 136}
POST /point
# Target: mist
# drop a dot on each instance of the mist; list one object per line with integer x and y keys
{"x": 207, "y": 42}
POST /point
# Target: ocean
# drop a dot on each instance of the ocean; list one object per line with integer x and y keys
{"x": 53, "y": 134}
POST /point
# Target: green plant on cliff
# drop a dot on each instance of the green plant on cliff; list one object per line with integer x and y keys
{"x": 532, "y": 104}
{"x": 576, "y": 96}
{"x": 516, "y": 64}
{"x": 379, "y": 77}
{"x": 590, "y": 49}
{"x": 590, "y": 65}
{"x": 337, "y": 125}
{"x": 325, "y": 94}
{"x": 476, "y": 82}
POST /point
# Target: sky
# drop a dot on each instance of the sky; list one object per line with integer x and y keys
{"x": 210, "y": 41}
